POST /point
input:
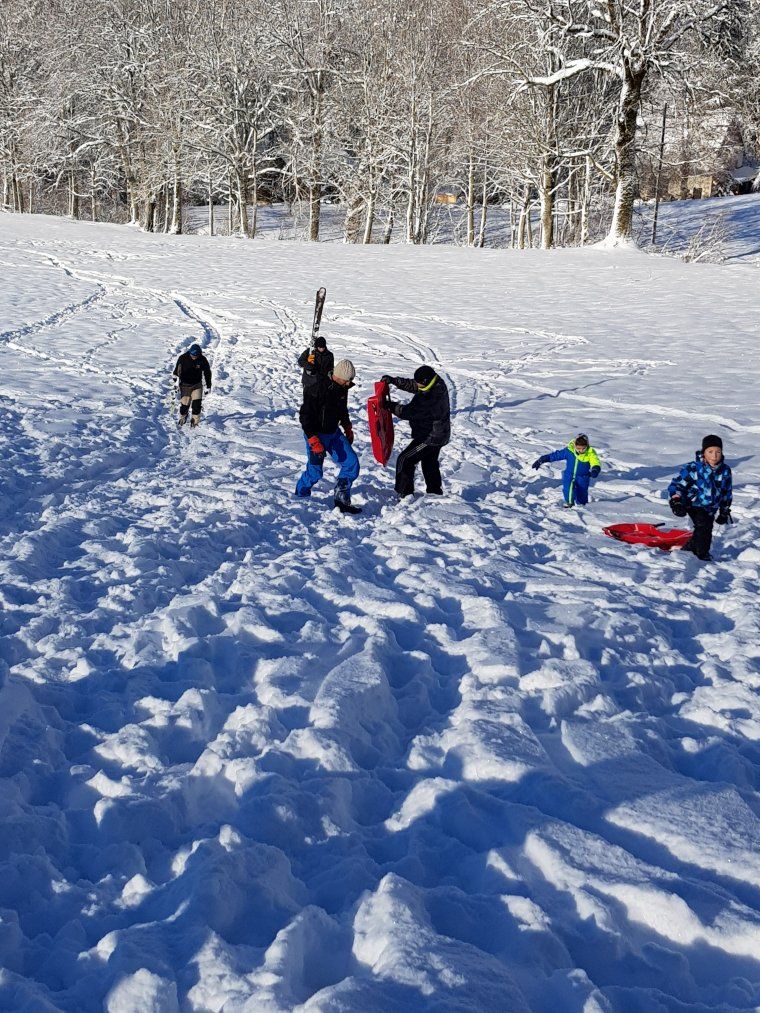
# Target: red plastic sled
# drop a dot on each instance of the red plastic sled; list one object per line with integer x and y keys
{"x": 380, "y": 423}
{"x": 652, "y": 535}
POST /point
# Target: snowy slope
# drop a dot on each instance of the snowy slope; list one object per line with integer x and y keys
{"x": 720, "y": 230}
{"x": 467, "y": 754}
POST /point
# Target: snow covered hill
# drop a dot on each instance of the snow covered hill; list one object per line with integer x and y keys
{"x": 462, "y": 754}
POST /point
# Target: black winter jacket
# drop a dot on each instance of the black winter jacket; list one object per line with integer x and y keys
{"x": 192, "y": 371}
{"x": 322, "y": 365}
{"x": 428, "y": 413}
{"x": 325, "y": 407}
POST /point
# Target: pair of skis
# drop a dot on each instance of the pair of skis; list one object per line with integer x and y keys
{"x": 318, "y": 307}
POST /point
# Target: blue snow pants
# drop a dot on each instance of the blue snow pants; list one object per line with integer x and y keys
{"x": 341, "y": 451}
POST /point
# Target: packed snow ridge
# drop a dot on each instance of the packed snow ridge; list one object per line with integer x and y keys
{"x": 459, "y": 753}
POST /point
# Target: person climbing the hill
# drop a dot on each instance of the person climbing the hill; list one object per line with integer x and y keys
{"x": 191, "y": 370}
{"x": 316, "y": 362}
{"x": 581, "y": 467}
{"x": 429, "y": 416}
{"x": 703, "y": 489}
{"x": 324, "y": 410}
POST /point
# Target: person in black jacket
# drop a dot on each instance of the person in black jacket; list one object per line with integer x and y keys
{"x": 316, "y": 362}
{"x": 191, "y": 370}
{"x": 429, "y": 415}
{"x": 324, "y": 410}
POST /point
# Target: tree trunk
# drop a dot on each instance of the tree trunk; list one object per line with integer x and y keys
{"x": 523, "y": 227}
{"x": 73, "y": 195}
{"x": 242, "y": 200}
{"x": 585, "y": 202}
{"x": 411, "y": 213}
{"x": 471, "y": 200}
{"x": 483, "y": 212}
{"x": 389, "y": 227}
{"x": 149, "y": 220}
{"x": 210, "y": 203}
{"x": 315, "y": 184}
{"x": 351, "y": 224}
{"x": 547, "y": 203}
{"x": 369, "y": 218}
{"x": 621, "y": 228}
{"x": 229, "y": 203}
{"x": 423, "y": 198}
{"x": 254, "y": 223}
{"x": 176, "y": 222}
{"x": 93, "y": 195}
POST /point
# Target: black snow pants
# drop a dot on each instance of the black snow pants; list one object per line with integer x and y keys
{"x": 701, "y": 538}
{"x": 418, "y": 453}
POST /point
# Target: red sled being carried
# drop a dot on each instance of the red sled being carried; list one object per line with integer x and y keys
{"x": 649, "y": 534}
{"x": 380, "y": 423}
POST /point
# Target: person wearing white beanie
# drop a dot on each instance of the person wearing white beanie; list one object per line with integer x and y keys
{"x": 327, "y": 429}
{"x": 344, "y": 370}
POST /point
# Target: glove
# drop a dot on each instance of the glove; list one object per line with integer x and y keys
{"x": 677, "y": 506}
{"x": 310, "y": 359}
{"x": 595, "y": 471}
{"x": 394, "y": 408}
{"x": 386, "y": 379}
{"x": 538, "y": 462}
{"x": 349, "y": 431}
{"x": 315, "y": 444}
{"x": 724, "y": 517}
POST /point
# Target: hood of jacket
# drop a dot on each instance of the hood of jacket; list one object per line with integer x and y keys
{"x": 588, "y": 455}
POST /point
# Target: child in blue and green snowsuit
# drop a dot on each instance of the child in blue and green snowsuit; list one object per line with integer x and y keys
{"x": 581, "y": 465}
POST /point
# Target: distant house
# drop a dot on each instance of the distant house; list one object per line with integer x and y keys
{"x": 712, "y": 159}
{"x": 718, "y": 162}
{"x": 693, "y": 186}
{"x": 447, "y": 195}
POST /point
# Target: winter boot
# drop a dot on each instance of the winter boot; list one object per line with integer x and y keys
{"x": 182, "y": 420}
{"x": 343, "y": 498}
{"x": 194, "y": 421}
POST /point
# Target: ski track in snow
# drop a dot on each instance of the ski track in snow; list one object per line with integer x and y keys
{"x": 460, "y": 754}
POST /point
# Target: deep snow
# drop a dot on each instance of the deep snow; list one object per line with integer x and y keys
{"x": 462, "y": 754}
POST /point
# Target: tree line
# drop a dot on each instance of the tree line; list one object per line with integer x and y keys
{"x": 125, "y": 110}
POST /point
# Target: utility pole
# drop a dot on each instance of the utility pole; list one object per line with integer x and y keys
{"x": 659, "y": 171}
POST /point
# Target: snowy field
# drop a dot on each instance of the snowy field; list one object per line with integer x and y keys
{"x": 454, "y": 755}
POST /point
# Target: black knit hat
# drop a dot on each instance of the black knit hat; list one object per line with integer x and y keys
{"x": 712, "y": 441}
{"x": 320, "y": 343}
{"x": 424, "y": 375}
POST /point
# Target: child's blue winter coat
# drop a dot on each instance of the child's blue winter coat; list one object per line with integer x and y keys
{"x": 579, "y": 470}
{"x": 699, "y": 485}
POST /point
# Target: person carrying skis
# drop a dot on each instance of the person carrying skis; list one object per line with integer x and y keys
{"x": 581, "y": 466}
{"x": 316, "y": 362}
{"x": 703, "y": 489}
{"x": 324, "y": 410}
{"x": 429, "y": 415}
{"x": 191, "y": 370}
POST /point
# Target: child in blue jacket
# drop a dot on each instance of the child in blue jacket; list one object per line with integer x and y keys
{"x": 581, "y": 465}
{"x": 702, "y": 489}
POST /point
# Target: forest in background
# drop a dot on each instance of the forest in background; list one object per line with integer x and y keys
{"x": 131, "y": 110}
